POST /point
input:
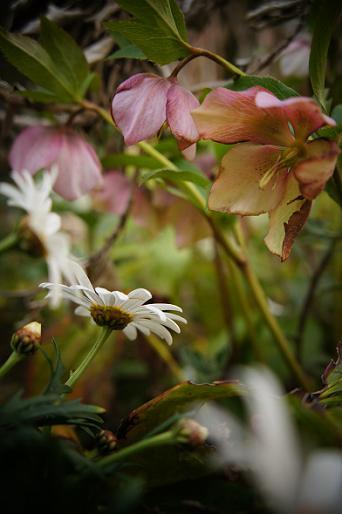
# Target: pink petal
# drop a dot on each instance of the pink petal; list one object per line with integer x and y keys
{"x": 318, "y": 166}
{"x": 179, "y": 105}
{"x": 35, "y": 148}
{"x": 190, "y": 152}
{"x": 189, "y": 224}
{"x": 287, "y": 219}
{"x": 115, "y": 193}
{"x": 79, "y": 169}
{"x": 231, "y": 117}
{"x": 237, "y": 189}
{"x": 303, "y": 113}
{"x": 139, "y": 106}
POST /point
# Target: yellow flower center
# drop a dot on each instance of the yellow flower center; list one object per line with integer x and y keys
{"x": 110, "y": 316}
{"x": 286, "y": 159}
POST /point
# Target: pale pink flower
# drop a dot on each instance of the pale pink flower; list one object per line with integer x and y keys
{"x": 143, "y": 103}
{"x": 294, "y": 60}
{"x": 276, "y": 167}
{"x": 115, "y": 193}
{"x": 79, "y": 169}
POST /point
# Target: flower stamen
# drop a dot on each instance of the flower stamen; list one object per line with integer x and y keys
{"x": 110, "y": 316}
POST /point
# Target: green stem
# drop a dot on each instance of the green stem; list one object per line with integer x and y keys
{"x": 202, "y": 52}
{"x": 158, "y": 440}
{"x": 261, "y": 301}
{"x": 8, "y": 242}
{"x": 12, "y": 360}
{"x": 101, "y": 339}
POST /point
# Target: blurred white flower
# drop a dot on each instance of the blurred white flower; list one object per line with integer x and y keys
{"x": 294, "y": 60}
{"x": 269, "y": 449}
{"x": 120, "y": 311}
{"x": 40, "y": 229}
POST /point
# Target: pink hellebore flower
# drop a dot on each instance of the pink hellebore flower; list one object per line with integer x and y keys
{"x": 275, "y": 167}
{"x": 145, "y": 101}
{"x": 79, "y": 169}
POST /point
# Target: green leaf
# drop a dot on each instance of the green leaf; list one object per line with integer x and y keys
{"x": 118, "y": 160}
{"x": 33, "y": 61}
{"x": 48, "y": 410}
{"x": 66, "y": 55}
{"x": 56, "y": 384}
{"x": 39, "y": 95}
{"x": 334, "y": 184}
{"x": 337, "y": 114}
{"x": 179, "y": 399}
{"x": 127, "y": 49}
{"x": 330, "y": 132}
{"x": 281, "y": 90}
{"x": 325, "y": 17}
{"x": 176, "y": 176}
{"x": 157, "y": 29}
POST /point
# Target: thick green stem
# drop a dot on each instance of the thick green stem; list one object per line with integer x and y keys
{"x": 8, "y": 242}
{"x": 12, "y": 360}
{"x": 163, "y": 439}
{"x": 75, "y": 375}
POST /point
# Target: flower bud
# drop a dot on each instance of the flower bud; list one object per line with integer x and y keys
{"x": 27, "y": 339}
{"x": 191, "y": 432}
{"x": 106, "y": 442}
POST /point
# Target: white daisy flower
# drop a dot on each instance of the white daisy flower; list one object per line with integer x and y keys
{"x": 39, "y": 230}
{"x": 119, "y": 311}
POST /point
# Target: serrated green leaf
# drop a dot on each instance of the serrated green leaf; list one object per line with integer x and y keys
{"x": 127, "y": 49}
{"x": 33, "y": 61}
{"x": 56, "y": 384}
{"x": 176, "y": 176}
{"x": 48, "y": 410}
{"x": 325, "y": 17}
{"x": 66, "y": 55}
{"x": 157, "y": 29}
{"x": 281, "y": 90}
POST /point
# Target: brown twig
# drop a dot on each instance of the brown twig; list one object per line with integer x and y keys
{"x": 310, "y": 294}
{"x": 277, "y": 51}
{"x": 97, "y": 258}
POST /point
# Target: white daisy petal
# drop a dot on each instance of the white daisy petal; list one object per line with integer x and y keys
{"x": 167, "y": 307}
{"x": 140, "y": 294}
{"x": 82, "y": 311}
{"x": 159, "y": 330}
{"x": 130, "y": 331}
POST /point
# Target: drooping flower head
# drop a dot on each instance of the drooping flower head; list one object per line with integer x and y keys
{"x": 120, "y": 311}
{"x": 39, "y": 230}
{"x": 40, "y": 147}
{"x": 143, "y": 103}
{"x": 276, "y": 167}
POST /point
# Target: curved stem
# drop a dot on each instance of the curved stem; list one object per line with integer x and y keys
{"x": 261, "y": 301}
{"x": 101, "y": 339}
{"x": 8, "y": 242}
{"x": 202, "y": 52}
{"x": 12, "y": 360}
{"x": 157, "y": 440}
